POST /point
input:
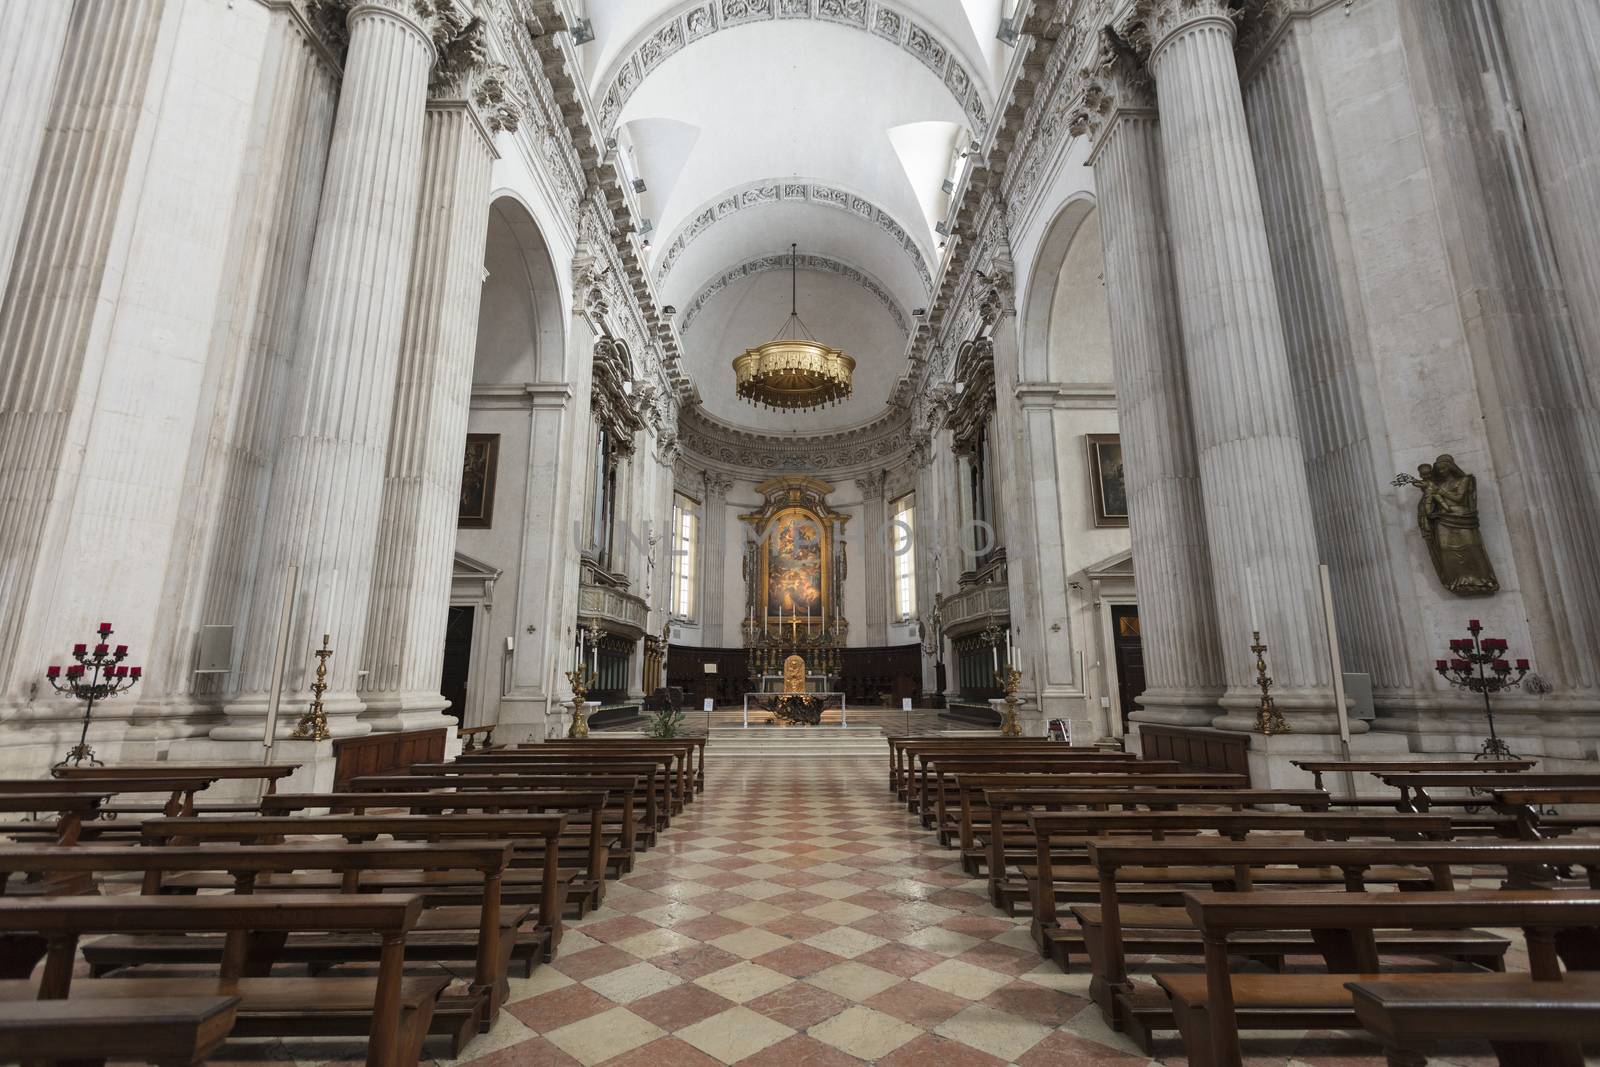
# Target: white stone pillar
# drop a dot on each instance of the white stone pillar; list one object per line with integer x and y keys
{"x": 1172, "y": 570}
{"x": 33, "y": 37}
{"x": 1258, "y": 512}
{"x": 713, "y": 549}
{"x": 422, "y": 487}
{"x": 874, "y": 560}
{"x": 47, "y": 328}
{"x": 327, "y": 485}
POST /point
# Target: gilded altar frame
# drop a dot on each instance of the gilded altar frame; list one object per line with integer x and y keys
{"x": 790, "y": 497}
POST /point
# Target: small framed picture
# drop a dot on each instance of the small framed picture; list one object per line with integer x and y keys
{"x": 478, "y": 468}
{"x": 1107, "y": 482}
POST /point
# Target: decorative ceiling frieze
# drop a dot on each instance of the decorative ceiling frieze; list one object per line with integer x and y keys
{"x": 703, "y": 19}
{"x": 781, "y": 261}
{"x": 789, "y": 190}
{"x": 710, "y": 443}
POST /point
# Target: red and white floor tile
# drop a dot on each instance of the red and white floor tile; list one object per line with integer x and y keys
{"x": 796, "y": 916}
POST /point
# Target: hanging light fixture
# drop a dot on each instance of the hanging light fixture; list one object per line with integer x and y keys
{"x": 793, "y": 371}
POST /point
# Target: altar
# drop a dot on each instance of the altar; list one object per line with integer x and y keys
{"x": 831, "y": 702}
{"x": 774, "y": 683}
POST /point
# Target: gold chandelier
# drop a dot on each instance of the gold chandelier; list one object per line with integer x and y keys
{"x": 793, "y": 371}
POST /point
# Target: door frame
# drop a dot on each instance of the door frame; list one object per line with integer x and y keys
{"x": 1111, "y": 585}
{"x": 472, "y": 586}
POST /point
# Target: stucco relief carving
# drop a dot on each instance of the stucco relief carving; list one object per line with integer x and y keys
{"x": 781, "y": 261}
{"x": 704, "y": 19}
{"x": 776, "y": 191}
{"x": 873, "y": 446}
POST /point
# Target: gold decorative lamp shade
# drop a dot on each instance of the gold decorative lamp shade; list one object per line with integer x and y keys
{"x": 793, "y": 373}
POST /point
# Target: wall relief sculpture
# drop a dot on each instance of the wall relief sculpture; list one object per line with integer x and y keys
{"x": 1447, "y": 518}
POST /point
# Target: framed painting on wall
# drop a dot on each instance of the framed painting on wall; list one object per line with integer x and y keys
{"x": 477, "y": 480}
{"x": 1107, "y": 482}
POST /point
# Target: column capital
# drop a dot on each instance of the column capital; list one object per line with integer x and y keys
{"x": 872, "y": 483}
{"x": 333, "y": 19}
{"x": 1115, "y": 83}
{"x": 1162, "y": 20}
{"x": 717, "y": 485}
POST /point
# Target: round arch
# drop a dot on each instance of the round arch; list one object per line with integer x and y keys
{"x": 521, "y": 328}
{"x": 1039, "y": 302}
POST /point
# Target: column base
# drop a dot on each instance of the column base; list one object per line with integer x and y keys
{"x": 247, "y": 717}
{"x": 521, "y": 719}
{"x": 390, "y": 712}
{"x": 1307, "y": 711}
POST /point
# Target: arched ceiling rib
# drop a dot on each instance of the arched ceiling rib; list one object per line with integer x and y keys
{"x": 791, "y": 191}
{"x": 783, "y": 261}
{"x": 701, "y": 20}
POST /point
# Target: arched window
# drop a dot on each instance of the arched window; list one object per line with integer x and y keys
{"x": 902, "y": 540}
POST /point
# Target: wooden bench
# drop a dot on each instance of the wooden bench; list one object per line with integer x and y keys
{"x": 627, "y": 795}
{"x": 479, "y": 929}
{"x": 697, "y": 749}
{"x": 1168, "y": 931}
{"x": 944, "y": 780}
{"x": 535, "y": 837}
{"x": 167, "y": 1031}
{"x": 1008, "y": 837}
{"x": 391, "y": 1009}
{"x": 1414, "y": 786}
{"x": 654, "y": 796}
{"x": 941, "y": 767}
{"x": 72, "y": 810}
{"x": 1528, "y": 1024}
{"x": 476, "y": 738}
{"x": 268, "y": 774}
{"x": 585, "y": 811}
{"x": 1317, "y": 768}
{"x": 1210, "y": 1008}
{"x": 670, "y": 781}
{"x": 902, "y": 750}
{"x": 1050, "y": 830}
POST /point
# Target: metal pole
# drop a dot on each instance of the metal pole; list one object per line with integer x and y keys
{"x": 279, "y": 658}
{"x": 1337, "y": 665}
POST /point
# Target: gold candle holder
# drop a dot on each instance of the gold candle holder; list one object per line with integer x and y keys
{"x": 313, "y": 725}
{"x": 580, "y": 680}
{"x": 1010, "y": 680}
{"x": 1269, "y": 720}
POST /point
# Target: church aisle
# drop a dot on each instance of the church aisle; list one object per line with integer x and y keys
{"x": 796, "y": 916}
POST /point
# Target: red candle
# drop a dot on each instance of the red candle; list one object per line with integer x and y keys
{"x": 101, "y": 649}
{"x": 1458, "y": 664}
{"x": 105, "y": 627}
{"x": 1439, "y": 664}
{"x": 1472, "y": 624}
{"x": 135, "y": 672}
{"x": 75, "y": 671}
{"x": 1501, "y": 665}
{"x": 122, "y": 650}
{"x": 1522, "y": 664}
{"x": 120, "y": 672}
{"x": 79, "y": 650}
{"x": 53, "y": 672}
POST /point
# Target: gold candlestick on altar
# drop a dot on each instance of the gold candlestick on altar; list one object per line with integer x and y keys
{"x": 1269, "y": 720}
{"x": 313, "y": 725}
{"x": 1010, "y": 680}
{"x": 580, "y": 680}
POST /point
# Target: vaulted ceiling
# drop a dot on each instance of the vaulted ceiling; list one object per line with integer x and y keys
{"x": 835, "y": 124}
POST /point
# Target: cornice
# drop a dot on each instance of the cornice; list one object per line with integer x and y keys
{"x": 709, "y": 443}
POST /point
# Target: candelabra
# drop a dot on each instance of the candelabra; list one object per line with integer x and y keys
{"x": 581, "y": 681}
{"x": 1269, "y": 720}
{"x": 1478, "y": 666}
{"x": 1010, "y": 680}
{"x": 313, "y": 725}
{"x": 94, "y": 676}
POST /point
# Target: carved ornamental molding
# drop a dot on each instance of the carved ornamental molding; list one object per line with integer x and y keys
{"x": 701, "y": 20}
{"x": 781, "y": 261}
{"x": 716, "y": 445}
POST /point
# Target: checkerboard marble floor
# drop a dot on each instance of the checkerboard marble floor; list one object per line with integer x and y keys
{"x": 796, "y": 916}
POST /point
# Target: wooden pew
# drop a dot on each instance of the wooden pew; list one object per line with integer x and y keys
{"x": 269, "y": 774}
{"x": 1209, "y": 1007}
{"x": 543, "y": 830}
{"x": 72, "y": 811}
{"x": 167, "y": 1031}
{"x": 1528, "y": 1024}
{"x": 391, "y": 1009}
{"x": 1528, "y": 807}
{"x": 1029, "y": 755}
{"x": 653, "y": 797}
{"x": 1117, "y": 863}
{"x": 585, "y": 810}
{"x": 1051, "y": 829}
{"x": 697, "y": 750}
{"x": 902, "y": 751}
{"x": 1414, "y": 786}
{"x": 1010, "y": 839}
{"x": 476, "y": 738}
{"x": 672, "y": 778}
{"x": 681, "y": 772}
{"x": 937, "y": 775}
{"x": 482, "y": 931}
{"x": 1317, "y": 768}
{"x": 628, "y": 794}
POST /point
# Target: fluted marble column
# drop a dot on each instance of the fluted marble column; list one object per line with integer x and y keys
{"x": 874, "y": 560}
{"x": 713, "y": 549}
{"x": 1258, "y": 512}
{"x": 422, "y": 485}
{"x": 1172, "y": 568}
{"x": 32, "y": 39}
{"x": 47, "y": 313}
{"x": 328, "y": 482}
